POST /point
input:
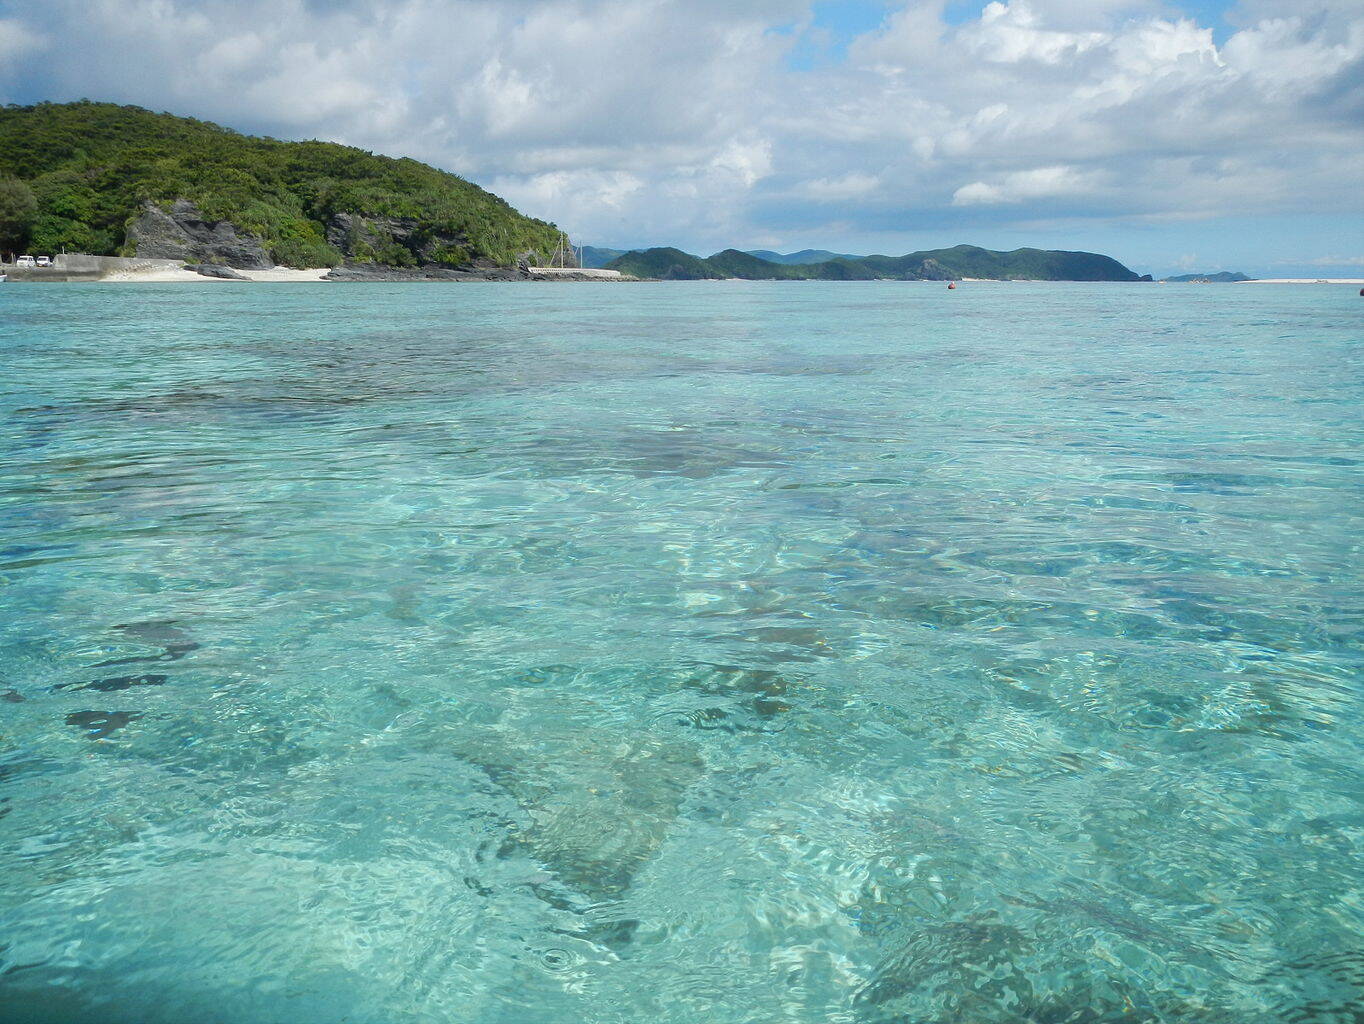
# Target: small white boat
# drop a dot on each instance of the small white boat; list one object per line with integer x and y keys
{"x": 4, "y": 278}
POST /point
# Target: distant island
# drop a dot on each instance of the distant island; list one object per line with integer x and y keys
{"x": 1221, "y": 277}
{"x": 113, "y": 180}
{"x": 956, "y": 263}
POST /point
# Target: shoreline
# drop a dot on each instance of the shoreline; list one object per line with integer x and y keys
{"x": 278, "y": 275}
{"x": 1302, "y": 280}
{"x": 130, "y": 271}
{"x": 117, "y": 270}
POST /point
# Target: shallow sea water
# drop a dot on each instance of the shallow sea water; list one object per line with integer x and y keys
{"x": 691, "y": 653}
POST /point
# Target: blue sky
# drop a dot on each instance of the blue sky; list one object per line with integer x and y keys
{"x": 1172, "y": 134}
{"x": 832, "y": 26}
{"x": 842, "y": 21}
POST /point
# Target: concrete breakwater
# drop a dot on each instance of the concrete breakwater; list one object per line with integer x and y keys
{"x": 576, "y": 274}
{"x": 82, "y": 267}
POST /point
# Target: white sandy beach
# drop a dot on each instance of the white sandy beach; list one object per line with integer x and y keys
{"x": 1304, "y": 280}
{"x": 161, "y": 276}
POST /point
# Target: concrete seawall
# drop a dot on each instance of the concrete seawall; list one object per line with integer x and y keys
{"x": 80, "y": 267}
{"x": 575, "y": 274}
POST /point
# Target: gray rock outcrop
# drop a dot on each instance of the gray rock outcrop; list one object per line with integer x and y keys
{"x": 931, "y": 270}
{"x": 361, "y": 238}
{"x": 183, "y": 233}
{"x": 360, "y": 272}
{"x": 216, "y": 270}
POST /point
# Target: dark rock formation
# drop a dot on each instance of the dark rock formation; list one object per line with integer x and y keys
{"x": 216, "y": 270}
{"x": 931, "y": 270}
{"x": 577, "y": 275}
{"x": 183, "y": 233}
{"x": 366, "y": 238}
{"x": 99, "y": 724}
{"x": 478, "y": 271}
{"x": 360, "y": 272}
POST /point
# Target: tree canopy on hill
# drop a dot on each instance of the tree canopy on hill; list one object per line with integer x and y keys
{"x": 93, "y": 165}
{"x": 960, "y": 261}
{"x": 18, "y": 208}
{"x": 667, "y": 264}
{"x": 804, "y": 256}
{"x": 1220, "y": 277}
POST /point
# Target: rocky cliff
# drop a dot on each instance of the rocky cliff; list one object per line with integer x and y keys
{"x": 399, "y": 241}
{"x": 182, "y": 232}
{"x": 93, "y": 167}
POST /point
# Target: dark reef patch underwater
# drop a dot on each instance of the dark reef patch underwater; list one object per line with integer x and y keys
{"x": 683, "y": 653}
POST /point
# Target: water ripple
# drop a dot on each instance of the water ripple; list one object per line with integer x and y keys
{"x": 690, "y": 653}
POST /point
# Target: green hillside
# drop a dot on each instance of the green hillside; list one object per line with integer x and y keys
{"x": 1019, "y": 265}
{"x": 733, "y": 263}
{"x": 932, "y": 265}
{"x": 1221, "y": 277}
{"x": 595, "y": 257}
{"x": 667, "y": 265}
{"x": 804, "y": 256}
{"x": 92, "y": 166}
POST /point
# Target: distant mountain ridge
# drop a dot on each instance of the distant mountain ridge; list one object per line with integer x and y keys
{"x": 595, "y": 257}
{"x": 1221, "y": 277}
{"x": 805, "y": 256}
{"x": 956, "y": 263}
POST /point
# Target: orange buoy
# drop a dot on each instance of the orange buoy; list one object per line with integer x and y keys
{"x": 951, "y": 285}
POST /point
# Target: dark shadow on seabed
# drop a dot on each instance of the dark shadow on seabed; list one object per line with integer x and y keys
{"x": 727, "y": 654}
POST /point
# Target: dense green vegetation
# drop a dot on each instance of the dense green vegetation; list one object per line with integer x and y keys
{"x": 18, "y": 210}
{"x": 595, "y": 257}
{"x": 961, "y": 261}
{"x": 1221, "y": 277}
{"x": 667, "y": 265}
{"x": 733, "y": 263}
{"x": 1019, "y": 265}
{"x": 804, "y": 256}
{"x": 93, "y": 165}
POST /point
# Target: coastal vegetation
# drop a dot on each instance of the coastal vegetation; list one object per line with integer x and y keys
{"x": 117, "y": 180}
{"x": 92, "y": 168}
{"x": 1220, "y": 277}
{"x": 961, "y": 261}
{"x": 595, "y": 257}
{"x": 666, "y": 264}
{"x": 18, "y": 208}
{"x": 804, "y": 256}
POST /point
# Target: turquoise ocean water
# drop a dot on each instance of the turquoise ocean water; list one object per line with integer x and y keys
{"x": 683, "y": 654}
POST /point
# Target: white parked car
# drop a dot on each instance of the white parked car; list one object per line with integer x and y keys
{"x": 25, "y": 261}
{"x": 44, "y": 261}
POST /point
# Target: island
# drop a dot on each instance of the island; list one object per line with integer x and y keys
{"x": 954, "y": 264}
{"x": 1221, "y": 277}
{"x": 120, "y": 181}
{"x": 122, "y": 192}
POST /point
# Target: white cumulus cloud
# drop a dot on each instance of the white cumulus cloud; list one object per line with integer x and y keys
{"x": 1017, "y": 186}
{"x": 691, "y": 121}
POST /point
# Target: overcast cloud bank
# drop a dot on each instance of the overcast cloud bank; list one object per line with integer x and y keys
{"x": 1115, "y": 124}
